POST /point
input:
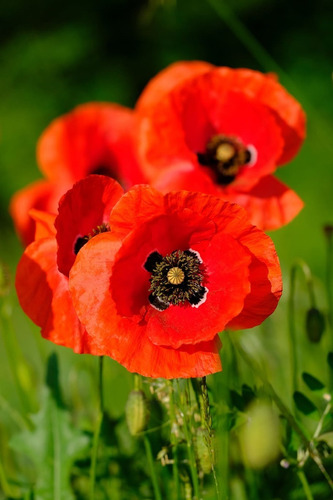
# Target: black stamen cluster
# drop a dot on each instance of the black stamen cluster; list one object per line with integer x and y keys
{"x": 82, "y": 240}
{"x": 164, "y": 293}
{"x": 226, "y": 171}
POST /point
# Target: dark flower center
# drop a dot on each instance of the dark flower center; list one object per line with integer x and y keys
{"x": 224, "y": 155}
{"x": 103, "y": 170}
{"x": 82, "y": 240}
{"x": 175, "y": 279}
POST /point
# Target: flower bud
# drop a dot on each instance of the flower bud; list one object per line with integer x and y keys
{"x": 260, "y": 436}
{"x": 315, "y": 324}
{"x": 204, "y": 450}
{"x": 136, "y": 411}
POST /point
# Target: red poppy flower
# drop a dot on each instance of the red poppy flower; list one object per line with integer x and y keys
{"x": 222, "y": 131}
{"x": 173, "y": 272}
{"x": 94, "y": 138}
{"x": 42, "y": 273}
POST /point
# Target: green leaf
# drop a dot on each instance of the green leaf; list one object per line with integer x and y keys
{"x": 312, "y": 382}
{"x": 330, "y": 360}
{"x": 53, "y": 444}
{"x": 303, "y": 404}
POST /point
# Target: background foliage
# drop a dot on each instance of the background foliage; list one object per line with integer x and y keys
{"x": 57, "y": 55}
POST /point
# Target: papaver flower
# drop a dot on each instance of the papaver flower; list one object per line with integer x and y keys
{"x": 173, "y": 271}
{"x": 222, "y": 131}
{"x": 94, "y": 138}
{"x": 42, "y": 273}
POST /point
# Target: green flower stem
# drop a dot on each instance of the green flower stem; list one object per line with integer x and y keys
{"x": 97, "y": 431}
{"x": 153, "y": 476}
{"x": 305, "y": 484}
{"x": 174, "y": 441}
{"x": 301, "y": 265}
{"x": 189, "y": 442}
{"x": 207, "y": 421}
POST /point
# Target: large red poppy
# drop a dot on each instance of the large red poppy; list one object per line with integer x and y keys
{"x": 42, "y": 273}
{"x": 94, "y": 138}
{"x": 173, "y": 271}
{"x": 222, "y": 131}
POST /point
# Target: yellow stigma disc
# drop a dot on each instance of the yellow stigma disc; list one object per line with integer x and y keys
{"x": 175, "y": 276}
{"x": 225, "y": 152}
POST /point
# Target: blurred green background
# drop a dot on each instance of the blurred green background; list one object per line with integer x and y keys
{"x": 56, "y": 55}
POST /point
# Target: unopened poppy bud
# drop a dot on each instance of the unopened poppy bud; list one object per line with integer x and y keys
{"x": 315, "y": 324}
{"x": 136, "y": 412}
{"x": 260, "y": 437}
{"x": 203, "y": 450}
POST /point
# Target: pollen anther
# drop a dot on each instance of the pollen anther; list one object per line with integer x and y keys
{"x": 175, "y": 276}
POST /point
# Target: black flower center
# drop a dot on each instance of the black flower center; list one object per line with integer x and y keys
{"x": 175, "y": 279}
{"x": 224, "y": 155}
{"x": 82, "y": 240}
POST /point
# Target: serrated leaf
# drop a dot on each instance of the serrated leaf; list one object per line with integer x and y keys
{"x": 303, "y": 403}
{"x": 312, "y": 382}
{"x": 330, "y": 360}
{"x": 52, "y": 446}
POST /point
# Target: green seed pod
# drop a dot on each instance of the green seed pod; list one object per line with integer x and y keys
{"x": 315, "y": 324}
{"x": 204, "y": 450}
{"x": 136, "y": 411}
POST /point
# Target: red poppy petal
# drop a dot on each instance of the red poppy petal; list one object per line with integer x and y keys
{"x": 164, "y": 234}
{"x": 226, "y": 263}
{"x": 41, "y": 195}
{"x": 134, "y": 208}
{"x": 289, "y": 113}
{"x": 44, "y": 224}
{"x": 93, "y": 138}
{"x": 177, "y": 178}
{"x": 265, "y": 272}
{"x": 168, "y": 78}
{"x": 270, "y": 203}
{"x": 139, "y": 355}
{"x": 120, "y": 338}
{"x": 174, "y": 132}
{"x": 81, "y": 210}
{"x": 44, "y": 297}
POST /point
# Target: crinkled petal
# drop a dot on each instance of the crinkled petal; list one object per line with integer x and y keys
{"x": 93, "y": 138}
{"x": 167, "y": 79}
{"x": 120, "y": 338}
{"x": 82, "y": 209}
{"x": 44, "y": 224}
{"x": 270, "y": 203}
{"x": 40, "y": 195}
{"x": 289, "y": 113}
{"x": 226, "y": 265}
{"x": 44, "y": 297}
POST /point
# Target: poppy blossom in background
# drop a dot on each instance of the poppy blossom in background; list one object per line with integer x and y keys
{"x": 173, "y": 271}
{"x": 94, "y": 138}
{"x": 221, "y": 131}
{"x": 42, "y": 273}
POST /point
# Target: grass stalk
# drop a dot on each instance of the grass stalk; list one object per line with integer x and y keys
{"x": 189, "y": 443}
{"x": 305, "y": 484}
{"x": 153, "y": 475}
{"x": 97, "y": 431}
{"x": 174, "y": 442}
